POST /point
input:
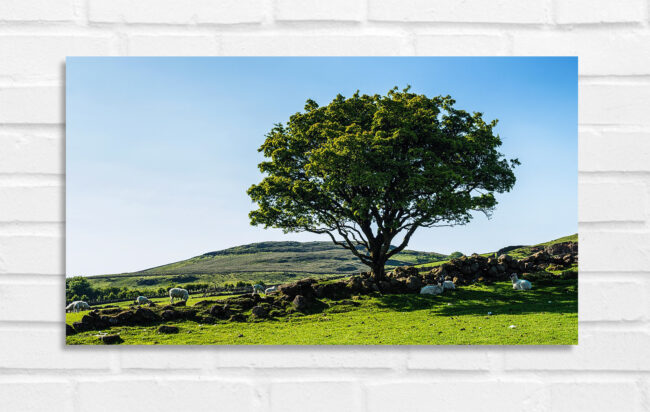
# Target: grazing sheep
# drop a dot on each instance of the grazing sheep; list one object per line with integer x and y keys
{"x": 258, "y": 289}
{"x": 178, "y": 293}
{"x": 76, "y": 306}
{"x": 520, "y": 284}
{"x": 271, "y": 290}
{"x": 448, "y": 284}
{"x": 432, "y": 290}
{"x": 141, "y": 300}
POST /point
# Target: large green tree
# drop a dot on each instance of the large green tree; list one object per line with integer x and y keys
{"x": 370, "y": 170}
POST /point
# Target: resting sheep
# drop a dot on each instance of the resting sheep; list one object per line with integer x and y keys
{"x": 258, "y": 289}
{"x": 271, "y": 290}
{"x": 178, "y": 293}
{"x": 448, "y": 284}
{"x": 76, "y": 306}
{"x": 432, "y": 290}
{"x": 141, "y": 300}
{"x": 520, "y": 284}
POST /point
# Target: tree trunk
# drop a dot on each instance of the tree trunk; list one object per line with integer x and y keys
{"x": 377, "y": 269}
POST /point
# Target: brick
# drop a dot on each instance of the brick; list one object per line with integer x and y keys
{"x": 313, "y": 10}
{"x": 614, "y": 104}
{"x": 614, "y": 251}
{"x": 43, "y": 57}
{"x": 26, "y": 396}
{"x": 323, "y": 396}
{"x": 175, "y": 12}
{"x": 612, "y": 201}
{"x": 313, "y": 45}
{"x": 471, "y": 11}
{"x": 611, "y": 301}
{"x": 195, "y": 394}
{"x": 448, "y": 358}
{"x": 36, "y": 10}
{"x": 31, "y": 254}
{"x": 460, "y": 45}
{"x": 456, "y": 395}
{"x": 599, "y": 11}
{"x": 45, "y": 105}
{"x": 599, "y": 350}
{"x": 29, "y": 152}
{"x": 594, "y": 396}
{"x": 32, "y": 302}
{"x": 304, "y": 357}
{"x": 45, "y": 349}
{"x": 178, "y": 45}
{"x": 600, "y": 52}
{"x": 614, "y": 151}
{"x": 26, "y": 204}
{"x": 166, "y": 358}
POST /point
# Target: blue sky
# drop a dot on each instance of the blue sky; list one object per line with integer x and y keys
{"x": 160, "y": 151}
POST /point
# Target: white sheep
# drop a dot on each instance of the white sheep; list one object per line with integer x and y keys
{"x": 178, "y": 293}
{"x": 448, "y": 284}
{"x": 432, "y": 290}
{"x": 141, "y": 300}
{"x": 258, "y": 289}
{"x": 271, "y": 290}
{"x": 520, "y": 284}
{"x": 77, "y": 305}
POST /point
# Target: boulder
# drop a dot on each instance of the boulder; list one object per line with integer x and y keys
{"x": 79, "y": 327}
{"x": 259, "y": 312}
{"x": 169, "y": 314}
{"x": 355, "y": 284}
{"x": 69, "y": 330}
{"x": 237, "y": 318}
{"x": 301, "y": 287}
{"x": 561, "y": 248}
{"x": 203, "y": 303}
{"x": 385, "y": 286}
{"x": 92, "y": 321}
{"x": 413, "y": 283}
{"x": 168, "y": 329}
{"x": 110, "y": 339}
{"x": 180, "y": 303}
{"x": 334, "y": 290}
{"x": 243, "y": 302}
{"x": 220, "y": 311}
{"x": 144, "y": 316}
{"x": 300, "y": 303}
{"x": 406, "y": 271}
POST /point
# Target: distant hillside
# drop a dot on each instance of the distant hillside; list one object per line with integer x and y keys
{"x": 310, "y": 257}
{"x": 271, "y": 263}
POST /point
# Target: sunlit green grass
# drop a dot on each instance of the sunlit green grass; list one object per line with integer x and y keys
{"x": 546, "y": 315}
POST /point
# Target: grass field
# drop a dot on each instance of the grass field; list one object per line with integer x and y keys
{"x": 546, "y": 315}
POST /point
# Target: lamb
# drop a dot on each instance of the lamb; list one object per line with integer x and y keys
{"x": 178, "y": 293}
{"x": 141, "y": 300}
{"x": 432, "y": 289}
{"x": 448, "y": 284}
{"x": 258, "y": 289}
{"x": 76, "y": 306}
{"x": 520, "y": 284}
{"x": 271, "y": 290}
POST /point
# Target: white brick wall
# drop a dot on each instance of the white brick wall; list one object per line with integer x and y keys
{"x": 607, "y": 371}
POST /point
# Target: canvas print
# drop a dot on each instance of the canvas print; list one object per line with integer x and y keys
{"x": 321, "y": 201}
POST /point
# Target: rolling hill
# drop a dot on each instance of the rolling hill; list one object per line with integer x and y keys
{"x": 309, "y": 257}
{"x": 271, "y": 262}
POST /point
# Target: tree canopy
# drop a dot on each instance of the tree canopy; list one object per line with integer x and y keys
{"x": 366, "y": 169}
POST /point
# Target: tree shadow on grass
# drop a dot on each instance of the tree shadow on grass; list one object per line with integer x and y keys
{"x": 498, "y": 299}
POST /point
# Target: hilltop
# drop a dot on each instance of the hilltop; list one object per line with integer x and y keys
{"x": 270, "y": 262}
{"x": 305, "y": 257}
